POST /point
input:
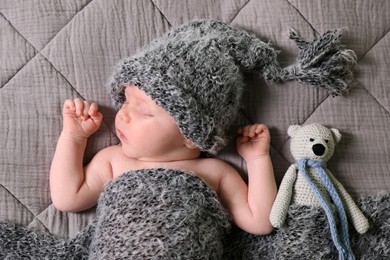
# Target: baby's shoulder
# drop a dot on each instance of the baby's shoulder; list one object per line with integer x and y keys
{"x": 107, "y": 155}
{"x": 109, "y": 152}
{"x": 215, "y": 163}
{"x": 214, "y": 167}
{"x": 213, "y": 171}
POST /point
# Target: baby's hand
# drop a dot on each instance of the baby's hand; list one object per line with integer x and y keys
{"x": 253, "y": 141}
{"x": 81, "y": 119}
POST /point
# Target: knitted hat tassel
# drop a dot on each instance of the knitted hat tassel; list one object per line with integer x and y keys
{"x": 324, "y": 63}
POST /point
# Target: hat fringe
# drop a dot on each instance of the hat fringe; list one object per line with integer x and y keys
{"x": 323, "y": 62}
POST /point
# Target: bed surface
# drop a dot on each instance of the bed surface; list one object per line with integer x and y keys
{"x": 54, "y": 50}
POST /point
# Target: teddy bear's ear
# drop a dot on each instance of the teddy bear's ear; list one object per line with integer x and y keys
{"x": 336, "y": 134}
{"x": 293, "y": 129}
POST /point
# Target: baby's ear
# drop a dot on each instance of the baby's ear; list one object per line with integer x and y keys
{"x": 336, "y": 134}
{"x": 293, "y": 129}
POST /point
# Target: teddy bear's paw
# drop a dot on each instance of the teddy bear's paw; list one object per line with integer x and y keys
{"x": 362, "y": 226}
{"x": 276, "y": 221}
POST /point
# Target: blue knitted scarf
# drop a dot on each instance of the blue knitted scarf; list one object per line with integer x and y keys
{"x": 340, "y": 238}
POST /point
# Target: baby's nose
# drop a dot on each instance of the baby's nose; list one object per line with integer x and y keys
{"x": 124, "y": 116}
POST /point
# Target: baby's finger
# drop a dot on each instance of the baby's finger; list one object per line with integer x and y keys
{"x": 86, "y": 109}
{"x": 253, "y": 130}
{"x": 261, "y": 128}
{"x": 93, "y": 109}
{"x": 94, "y": 112}
{"x": 69, "y": 105}
{"x": 242, "y": 139}
{"x": 242, "y": 131}
{"x": 245, "y": 130}
{"x": 79, "y": 103}
{"x": 98, "y": 118}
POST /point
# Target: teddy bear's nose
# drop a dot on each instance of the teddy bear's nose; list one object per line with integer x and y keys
{"x": 318, "y": 149}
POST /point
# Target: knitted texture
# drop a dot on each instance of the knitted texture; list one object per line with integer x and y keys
{"x": 144, "y": 214}
{"x": 159, "y": 214}
{"x": 195, "y": 73}
{"x": 22, "y": 243}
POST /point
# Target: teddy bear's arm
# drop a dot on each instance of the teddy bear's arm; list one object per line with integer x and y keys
{"x": 283, "y": 198}
{"x": 359, "y": 221}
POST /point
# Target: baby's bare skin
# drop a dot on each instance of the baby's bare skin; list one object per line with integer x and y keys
{"x": 150, "y": 138}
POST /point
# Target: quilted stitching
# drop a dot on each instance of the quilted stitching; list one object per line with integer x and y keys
{"x": 16, "y": 41}
{"x": 14, "y": 206}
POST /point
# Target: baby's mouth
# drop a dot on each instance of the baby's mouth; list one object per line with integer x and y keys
{"x": 121, "y": 135}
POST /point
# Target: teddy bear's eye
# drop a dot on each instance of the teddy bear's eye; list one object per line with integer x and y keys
{"x": 311, "y": 140}
{"x": 326, "y": 140}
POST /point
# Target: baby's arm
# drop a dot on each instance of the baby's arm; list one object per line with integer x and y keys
{"x": 72, "y": 189}
{"x": 283, "y": 198}
{"x": 250, "y": 205}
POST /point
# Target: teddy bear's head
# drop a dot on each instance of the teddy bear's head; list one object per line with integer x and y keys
{"x": 314, "y": 141}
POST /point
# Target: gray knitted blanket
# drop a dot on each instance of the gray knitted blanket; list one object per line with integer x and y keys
{"x": 168, "y": 214}
{"x": 156, "y": 213}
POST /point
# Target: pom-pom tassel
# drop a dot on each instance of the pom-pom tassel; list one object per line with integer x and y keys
{"x": 324, "y": 62}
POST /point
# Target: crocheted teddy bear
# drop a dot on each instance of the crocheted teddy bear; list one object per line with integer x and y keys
{"x": 308, "y": 182}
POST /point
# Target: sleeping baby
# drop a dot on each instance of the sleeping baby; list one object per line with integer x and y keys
{"x": 175, "y": 102}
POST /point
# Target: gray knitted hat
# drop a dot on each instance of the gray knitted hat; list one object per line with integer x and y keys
{"x": 195, "y": 72}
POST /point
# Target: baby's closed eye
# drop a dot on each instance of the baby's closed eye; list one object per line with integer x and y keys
{"x": 144, "y": 112}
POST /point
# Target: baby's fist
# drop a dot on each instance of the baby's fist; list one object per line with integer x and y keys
{"x": 253, "y": 141}
{"x": 81, "y": 118}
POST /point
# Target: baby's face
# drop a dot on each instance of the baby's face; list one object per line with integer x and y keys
{"x": 146, "y": 131}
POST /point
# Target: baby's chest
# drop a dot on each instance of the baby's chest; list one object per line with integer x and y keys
{"x": 303, "y": 193}
{"x": 207, "y": 174}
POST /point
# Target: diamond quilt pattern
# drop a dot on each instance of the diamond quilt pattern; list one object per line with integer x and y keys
{"x": 53, "y": 50}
